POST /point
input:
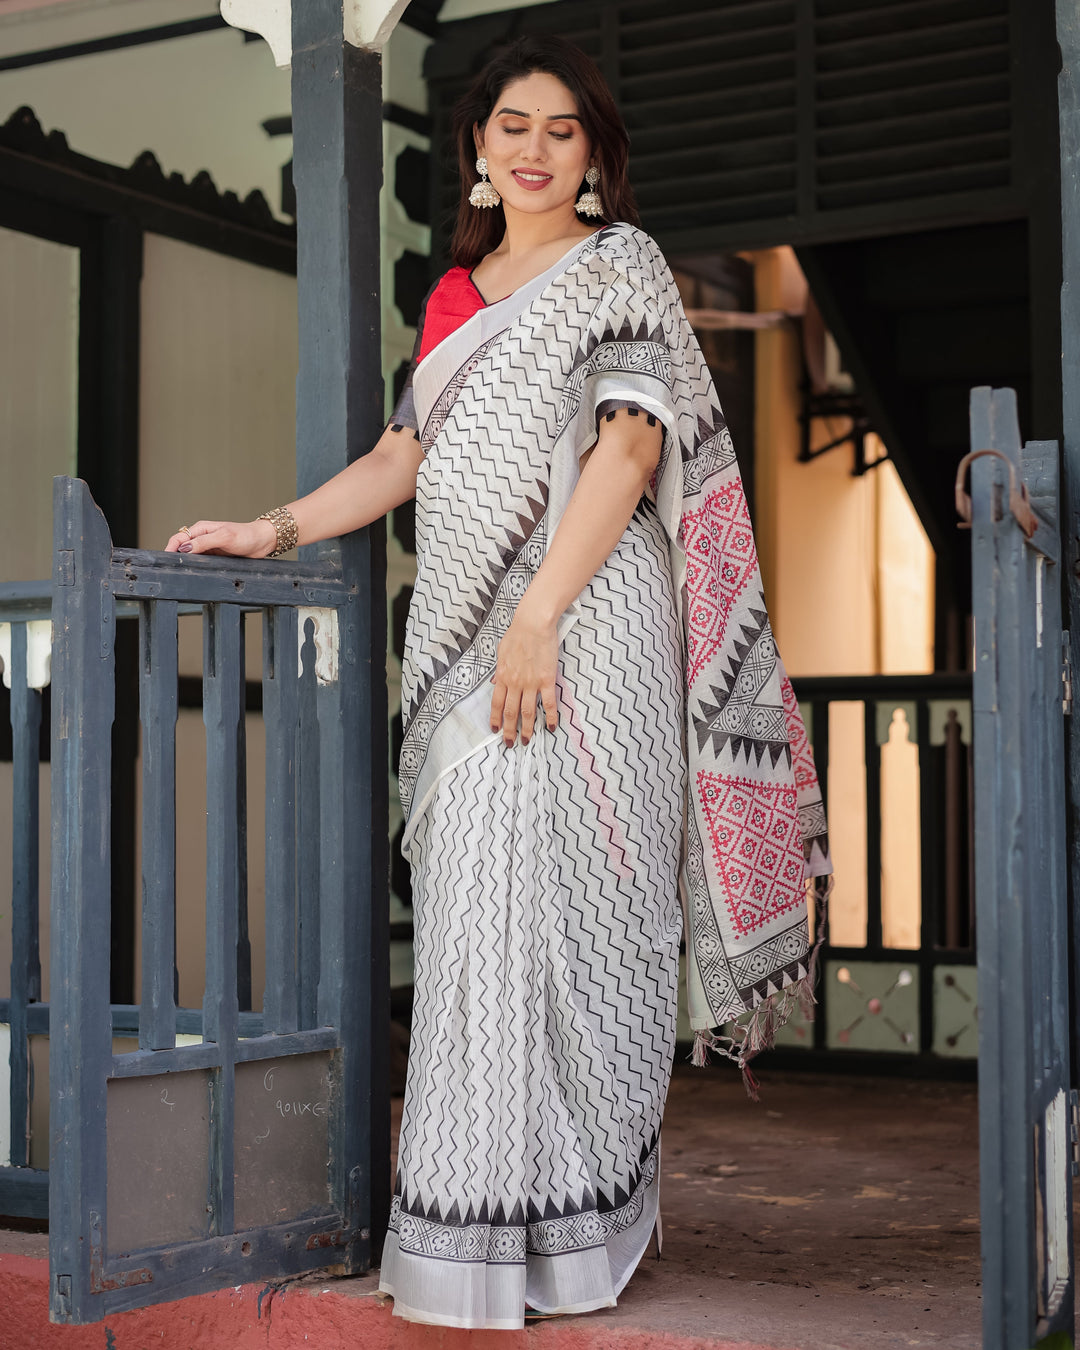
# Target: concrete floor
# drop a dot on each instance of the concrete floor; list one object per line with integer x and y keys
{"x": 836, "y": 1214}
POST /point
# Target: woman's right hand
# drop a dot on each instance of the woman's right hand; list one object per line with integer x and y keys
{"x": 251, "y": 539}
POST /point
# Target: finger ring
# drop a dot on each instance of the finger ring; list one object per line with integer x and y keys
{"x": 183, "y": 530}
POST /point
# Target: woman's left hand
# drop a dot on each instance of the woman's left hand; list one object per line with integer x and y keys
{"x": 525, "y": 669}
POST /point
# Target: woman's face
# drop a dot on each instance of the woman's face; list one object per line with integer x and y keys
{"x": 536, "y": 147}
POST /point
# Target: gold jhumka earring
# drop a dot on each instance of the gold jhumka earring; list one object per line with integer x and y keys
{"x": 483, "y": 193}
{"x": 589, "y": 203}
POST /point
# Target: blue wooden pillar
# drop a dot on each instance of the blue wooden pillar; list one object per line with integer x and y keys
{"x": 337, "y": 169}
{"x": 1068, "y": 33}
{"x": 84, "y": 632}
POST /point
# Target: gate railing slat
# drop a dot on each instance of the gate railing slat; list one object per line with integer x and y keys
{"x": 223, "y": 692}
{"x": 872, "y": 770}
{"x": 158, "y": 684}
{"x": 25, "y": 958}
{"x": 311, "y": 824}
{"x": 281, "y": 716}
{"x": 243, "y": 939}
{"x": 194, "y": 579}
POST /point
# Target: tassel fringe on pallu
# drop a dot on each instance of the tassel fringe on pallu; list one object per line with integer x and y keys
{"x": 748, "y": 1038}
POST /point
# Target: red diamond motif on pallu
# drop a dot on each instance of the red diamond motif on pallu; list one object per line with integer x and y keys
{"x": 802, "y": 757}
{"x": 757, "y": 848}
{"x": 720, "y": 557}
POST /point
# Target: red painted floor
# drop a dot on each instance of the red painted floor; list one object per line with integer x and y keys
{"x": 837, "y": 1214}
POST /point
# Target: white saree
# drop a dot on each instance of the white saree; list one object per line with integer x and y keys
{"x": 547, "y": 877}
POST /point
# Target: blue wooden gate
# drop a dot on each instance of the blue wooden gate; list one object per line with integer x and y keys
{"x": 1022, "y": 689}
{"x": 248, "y": 1154}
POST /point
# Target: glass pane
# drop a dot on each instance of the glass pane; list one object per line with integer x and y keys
{"x": 281, "y": 1138}
{"x": 158, "y": 1137}
{"x": 39, "y": 1102}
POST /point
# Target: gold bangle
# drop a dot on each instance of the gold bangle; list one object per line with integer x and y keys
{"x": 284, "y": 527}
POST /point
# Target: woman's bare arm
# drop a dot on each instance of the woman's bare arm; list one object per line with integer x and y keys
{"x": 610, "y": 487}
{"x": 359, "y": 494}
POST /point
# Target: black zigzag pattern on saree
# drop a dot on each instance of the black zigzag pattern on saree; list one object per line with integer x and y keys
{"x": 537, "y": 348}
{"x": 742, "y": 720}
{"x": 814, "y": 830}
{"x": 493, "y": 1236}
{"x": 469, "y": 650}
{"x": 601, "y": 1017}
{"x": 473, "y": 517}
{"x": 641, "y": 347}
{"x": 615, "y": 971}
{"x": 713, "y": 453}
{"x": 449, "y": 395}
{"x": 470, "y": 513}
{"x": 754, "y": 971}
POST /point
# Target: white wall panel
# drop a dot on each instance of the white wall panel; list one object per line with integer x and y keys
{"x": 39, "y": 341}
{"x": 217, "y": 411}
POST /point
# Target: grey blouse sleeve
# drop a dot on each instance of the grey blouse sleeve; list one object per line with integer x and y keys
{"x": 404, "y": 414}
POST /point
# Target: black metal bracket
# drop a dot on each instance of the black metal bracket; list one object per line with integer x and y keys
{"x": 834, "y": 403}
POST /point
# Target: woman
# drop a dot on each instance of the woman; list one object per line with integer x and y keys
{"x": 587, "y": 649}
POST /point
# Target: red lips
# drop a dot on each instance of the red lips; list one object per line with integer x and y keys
{"x": 534, "y": 185}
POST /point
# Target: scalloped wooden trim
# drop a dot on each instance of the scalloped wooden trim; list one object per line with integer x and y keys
{"x": 23, "y": 133}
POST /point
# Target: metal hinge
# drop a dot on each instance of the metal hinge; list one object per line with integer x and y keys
{"x": 1074, "y": 1131}
{"x": 1066, "y": 674}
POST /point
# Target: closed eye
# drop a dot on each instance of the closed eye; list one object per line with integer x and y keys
{"x": 520, "y": 131}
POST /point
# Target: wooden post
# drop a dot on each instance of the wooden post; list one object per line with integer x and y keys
{"x": 1025, "y": 1192}
{"x": 84, "y": 629}
{"x": 1005, "y": 1030}
{"x": 337, "y": 168}
{"x": 1068, "y": 32}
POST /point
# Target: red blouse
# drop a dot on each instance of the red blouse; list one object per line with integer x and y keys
{"x": 454, "y": 300}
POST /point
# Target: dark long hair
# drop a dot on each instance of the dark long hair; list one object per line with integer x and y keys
{"x": 477, "y": 232}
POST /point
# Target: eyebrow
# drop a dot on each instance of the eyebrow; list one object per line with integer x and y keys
{"x": 555, "y": 117}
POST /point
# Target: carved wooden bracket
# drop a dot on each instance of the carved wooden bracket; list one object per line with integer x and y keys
{"x": 365, "y": 23}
